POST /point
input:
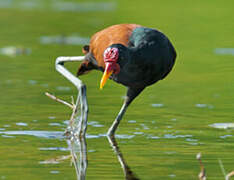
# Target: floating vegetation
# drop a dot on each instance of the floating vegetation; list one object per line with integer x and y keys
{"x": 40, "y": 134}
{"x": 224, "y": 51}
{"x": 131, "y": 121}
{"x": 225, "y": 136}
{"x": 59, "y": 134}
{"x": 144, "y": 126}
{"x": 21, "y": 124}
{"x": 55, "y": 160}
{"x": 6, "y": 136}
{"x": 223, "y": 125}
{"x": 32, "y": 82}
{"x": 157, "y": 105}
{"x": 13, "y": 51}
{"x": 63, "y": 88}
{"x": 54, "y": 172}
{"x": 172, "y": 175}
{"x": 95, "y": 124}
{"x": 55, "y": 124}
{"x": 138, "y": 133}
{"x": 59, "y": 5}
{"x": 124, "y": 136}
{"x": 204, "y": 106}
{"x": 64, "y": 40}
{"x": 54, "y": 149}
{"x": 52, "y": 117}
{"x": 171, "y": 136}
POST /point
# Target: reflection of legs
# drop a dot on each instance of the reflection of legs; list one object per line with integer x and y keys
{"x": 127, "y": 171}
{"x": 81, "y": 98}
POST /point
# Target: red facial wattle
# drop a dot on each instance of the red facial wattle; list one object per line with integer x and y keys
{"x": 110, "y": 56}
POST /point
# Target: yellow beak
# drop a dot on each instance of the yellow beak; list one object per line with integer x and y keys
{"x": 105, "y": 76}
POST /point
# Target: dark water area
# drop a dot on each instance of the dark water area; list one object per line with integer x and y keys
{"x": 189, "y": 112}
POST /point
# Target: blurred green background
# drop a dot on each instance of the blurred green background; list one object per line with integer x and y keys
{"x": 170, "y": 120}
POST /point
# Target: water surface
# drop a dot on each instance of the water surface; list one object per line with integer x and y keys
{"x": 164, "y": 128}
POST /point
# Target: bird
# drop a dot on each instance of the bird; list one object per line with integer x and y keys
{"x": 132, "y": 55}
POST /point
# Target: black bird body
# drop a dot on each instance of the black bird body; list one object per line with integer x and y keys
{"x": 148, "y": 58}
{"x": 132, "y": 55}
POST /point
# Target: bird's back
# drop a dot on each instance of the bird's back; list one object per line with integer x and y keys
{"x": 152, "y": 58}
{"x": 116, "y": 34}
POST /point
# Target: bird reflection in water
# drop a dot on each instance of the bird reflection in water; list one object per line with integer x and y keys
{"x": 78, "y": 148}
{"x": 129, "y": 175}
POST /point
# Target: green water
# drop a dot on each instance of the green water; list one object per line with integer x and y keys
{"x": 197, "y": 93}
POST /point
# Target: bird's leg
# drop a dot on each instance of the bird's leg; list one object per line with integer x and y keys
{"x": 131, "y": 94}
{"x": 115, "y": 124}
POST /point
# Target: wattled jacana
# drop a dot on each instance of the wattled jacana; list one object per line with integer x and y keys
{"x": 130, "y": 54}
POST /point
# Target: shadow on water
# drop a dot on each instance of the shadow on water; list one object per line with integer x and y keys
{"x": 78, "y": 148}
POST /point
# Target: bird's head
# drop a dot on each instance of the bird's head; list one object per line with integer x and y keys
{"x": 110, "y": 56}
